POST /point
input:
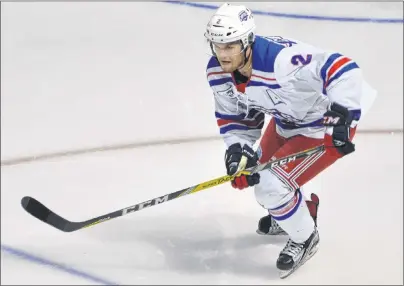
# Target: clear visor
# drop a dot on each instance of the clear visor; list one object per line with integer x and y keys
{"x": 224, "y": 50}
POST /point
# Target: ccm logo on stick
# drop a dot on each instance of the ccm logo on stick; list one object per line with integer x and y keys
{"x": 145, "y": 204}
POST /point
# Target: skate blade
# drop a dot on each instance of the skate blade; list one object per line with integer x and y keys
{"x": 284, "y": 274}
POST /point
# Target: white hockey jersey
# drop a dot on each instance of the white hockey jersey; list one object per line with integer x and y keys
{"x": 294, "y": 83}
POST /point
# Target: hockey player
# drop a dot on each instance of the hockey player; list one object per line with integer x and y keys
{"x": 314, "y": 97}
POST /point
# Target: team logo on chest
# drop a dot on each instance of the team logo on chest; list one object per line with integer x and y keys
{"x": 228, "y": 91}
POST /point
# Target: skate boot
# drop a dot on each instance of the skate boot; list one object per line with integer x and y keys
{"x": 268, "y": 226}
{"x": 295, "y": 254}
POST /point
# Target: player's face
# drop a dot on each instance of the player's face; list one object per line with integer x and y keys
{"x": 230, "y": 55}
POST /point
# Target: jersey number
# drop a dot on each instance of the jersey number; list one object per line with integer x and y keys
{"x": 299, "y": 59}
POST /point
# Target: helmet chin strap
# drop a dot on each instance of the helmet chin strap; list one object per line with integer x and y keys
{"x": 246, "y": 59}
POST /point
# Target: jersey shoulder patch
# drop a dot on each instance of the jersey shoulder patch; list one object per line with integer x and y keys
{"x": 265, "y": 52}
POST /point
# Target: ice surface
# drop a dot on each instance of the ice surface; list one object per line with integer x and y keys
{"x": 208, "y": 237}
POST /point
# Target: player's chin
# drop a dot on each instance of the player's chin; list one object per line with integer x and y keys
{"x": 227, "y": 66}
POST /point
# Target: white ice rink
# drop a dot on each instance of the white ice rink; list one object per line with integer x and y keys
{"x": 83, "y": 75}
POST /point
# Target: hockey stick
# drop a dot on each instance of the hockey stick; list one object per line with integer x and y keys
{"x": 41, "y": 212}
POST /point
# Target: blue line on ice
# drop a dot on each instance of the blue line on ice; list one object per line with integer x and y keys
{"x": 60, "y": 267}
{"x": 296, "y": 16}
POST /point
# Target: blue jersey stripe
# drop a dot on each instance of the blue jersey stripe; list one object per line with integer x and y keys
{"x": 220, "y": 81}
{"x": 230, "y": 116}
{"x": 258, "y": 83}
{"x": 242, "y": 116}
{"x": 231, "y": 127}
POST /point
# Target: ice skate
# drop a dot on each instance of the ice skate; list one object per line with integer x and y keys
{"x": 268, "y": 226}
{"x": 295, "y": 254}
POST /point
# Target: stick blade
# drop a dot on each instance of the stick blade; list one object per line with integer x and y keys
{"x": 41, "y": 212}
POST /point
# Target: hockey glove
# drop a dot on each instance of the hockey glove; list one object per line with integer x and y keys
{"x": 340, "y": 119}
{"x": 238, "y": 159}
